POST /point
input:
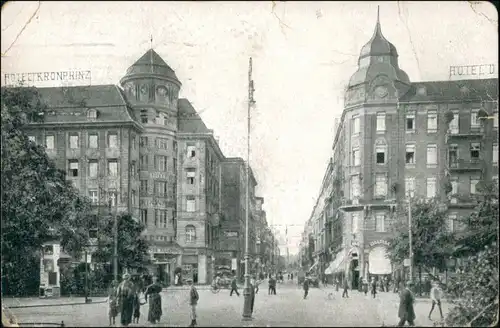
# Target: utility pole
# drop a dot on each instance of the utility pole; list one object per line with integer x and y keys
{"x": 247, "y": 312}
{"x": 115, "y": 238}
{"x": 410, "y": 236}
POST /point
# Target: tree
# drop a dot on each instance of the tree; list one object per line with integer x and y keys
{"x": 38, "y": 204}
{"x": 477, "y": 283}
{"x": 432, "y": 241}
{"x": 132, "y": 245}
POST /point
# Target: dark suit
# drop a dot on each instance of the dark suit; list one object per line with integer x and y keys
{"x": 406, "y": 311}
{"x": 252, "y": 297}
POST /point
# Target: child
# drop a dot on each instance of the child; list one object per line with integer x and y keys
{"x": 137, "y": 307}
{"x": 193, "y": 301}
{"x": 112, "y": 303}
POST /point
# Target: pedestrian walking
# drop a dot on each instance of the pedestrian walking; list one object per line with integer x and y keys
{"x": 361, "y": 284}
{"x": 256, "y": 284}
{"x": 153, "y": 296}
{"x": 252, "y": 295}
{"x": 306, "y": 286}
{"x": 234, "y": 287}
{"x": 436, "y": 294}
{"x": 346, "y": 286}
{"x": 291, "y": 276}
{"x": 272, "y": 284}
{"x": 373, "y": 287}
{"x": 386, "y": 284}
{"x": 406, "y": 311}
{"x": 365, "y": 286}
{"x": 337, "y": 283}
{"x": 193, "y": 301}
{"x": 126, "y": 295}
{"x": 137, "y": 304}
{"x": 112, "y": 302}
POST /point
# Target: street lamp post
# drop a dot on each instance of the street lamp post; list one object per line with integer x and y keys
{"x": 410, "y": 236}
{"x": 247, "y": 312}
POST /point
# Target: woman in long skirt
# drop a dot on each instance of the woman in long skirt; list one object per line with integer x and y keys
{"x": 153, "y": 296}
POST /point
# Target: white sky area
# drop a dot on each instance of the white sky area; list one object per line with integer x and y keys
{"x": 303, "y": 55}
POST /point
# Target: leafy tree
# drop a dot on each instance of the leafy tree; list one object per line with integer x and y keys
{"x": 38, "y": 204}
{"x": 476, "y": 285}
{"x": 432, "y": 242}
{"x": 132, "y": 245}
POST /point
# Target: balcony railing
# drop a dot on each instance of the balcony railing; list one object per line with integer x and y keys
{"x": 464, "y": 165}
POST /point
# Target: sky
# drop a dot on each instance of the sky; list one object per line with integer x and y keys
{"x": 303, "y": 55}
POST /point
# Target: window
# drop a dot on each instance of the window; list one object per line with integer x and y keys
{"x": 134, "y": 197}
{"x": 161, "y": 188}
{"x": 380, "y": 222}
{"x": 431, "y": 187}
{"x": 190, "y": 204}
{"x": 454, "y": 186}
{"x": 92, "y": 114}
{"x": 93, "y": 140}
{"x": 473, "y": 182}
{"x": 161, "y": 218}
{"x": 113, "y": 140}
{"x": 73, "y": 168}
{"x": 380, "y": 153}
{"x": 495, "y": 120}
{"x": 113, "y": 197}
{"x": 431, "y": 154}
{"x": 133, "y": 169}
{"x": 495, "y": 153}
{"x": 144, "y": 187}
{"x": 190, "y": 174}
{"x": 355, "y": 187}
{"x": 380, "y": 185}
{"x": 143, "y": 161}
{"x": 410, "y": 122}
{"x": 409, "y": 186}
{"x": 93, "y": 168}
{"x": 143, "y": 141}
{"x": 161, "y": 143}
{"x": 174, "y": 165}
{"x": 49, "y": 142}
{"x": 32, "y": 138}
{"x": 73, "y": 141}
{"x": 356, "y": 159}
{"x": 354, "y": 223}
{"x": 144, "y": 217}
{"x": 453, "y": 155}
{"x": 474, "y": 122}
{"x": 94, "y": 198}
{"x": 191, "y": 151}
{"x": 134, "y": 140}
{"x": 190, "y": 234}
{"x": 144, "y": 116}
{"x": 113, "y": 168}
{"x": 410, "y": 154}
{"x": 452, "y": 218}
{"x": 454, "y": 124}
{"x": 475, "y": 147}
{"x": 355, "y": 125}
{"x": 495, "y": 179}
{"x": 432, "y": 121}
{"x": 161, "y": 163}
{"x": 380, "y": 122}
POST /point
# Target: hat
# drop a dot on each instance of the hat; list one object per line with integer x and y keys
{"x": 126, "y": 275}
{"x": 189, "y": 280}
{"x": 409, "y": 283}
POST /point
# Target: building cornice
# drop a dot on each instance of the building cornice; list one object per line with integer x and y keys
{"x": 69, "y": 125}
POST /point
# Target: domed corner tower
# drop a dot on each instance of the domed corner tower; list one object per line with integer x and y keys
{"x": 378, "y": 78}
{"x": 152, "y": 89}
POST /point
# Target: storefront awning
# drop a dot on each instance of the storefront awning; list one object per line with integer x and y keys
{"x": 378, "y": 261}
{"x": 336, "y": 265}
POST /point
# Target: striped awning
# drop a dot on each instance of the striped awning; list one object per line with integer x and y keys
{"x": 336, "y": 265}
{"x": 313, "y": 266}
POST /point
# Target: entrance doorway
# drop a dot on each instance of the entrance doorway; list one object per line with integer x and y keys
{"x": 354, "y": 271}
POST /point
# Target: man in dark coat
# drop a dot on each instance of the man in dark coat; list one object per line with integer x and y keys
{"x": 252, "y": 296}
{"x": 306, "y": 286}
{"x": 406, "y": 310}
{"x": 126, "y": 296}
{"x": 346, "y": 286}
{"x": 234, "y": 287}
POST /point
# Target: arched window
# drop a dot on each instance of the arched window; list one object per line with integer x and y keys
{"x": 190, "y": 234}
{"x": 92, "y": 114}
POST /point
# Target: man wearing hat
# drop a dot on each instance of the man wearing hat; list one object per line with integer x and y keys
{"x": 406, "y": 310}
{"x": 193, "y": 301}
{"x": 126, "y": 296}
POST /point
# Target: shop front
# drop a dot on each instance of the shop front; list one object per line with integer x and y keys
{"x": 196, "y": 265}
{"x": 336, "y": 268}
{"x": 354, "y": 267}
{"x": 379, "y": 264}
{"x": 164, "y": 260}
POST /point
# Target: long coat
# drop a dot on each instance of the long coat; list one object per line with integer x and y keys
{"x": 126, "y": 296}
{"x": 406, "y": 310}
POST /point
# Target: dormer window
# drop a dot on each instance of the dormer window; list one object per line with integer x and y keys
{"x": 92, "y": 114}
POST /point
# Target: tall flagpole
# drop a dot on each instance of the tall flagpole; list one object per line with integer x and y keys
{"x": 247, "y": 311}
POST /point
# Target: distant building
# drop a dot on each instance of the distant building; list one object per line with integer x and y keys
{"x": 398, "y": 138}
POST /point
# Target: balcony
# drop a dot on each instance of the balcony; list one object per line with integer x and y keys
{"x": 472, "y": 133}
{"x": 464, "y": 166}
{"x": 380, "y": 202}
{"x": 462, "y": 201}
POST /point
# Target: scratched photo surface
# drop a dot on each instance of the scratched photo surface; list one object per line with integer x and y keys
{"x": 270, "y": 163}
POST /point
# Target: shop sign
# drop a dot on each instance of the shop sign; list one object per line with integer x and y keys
{"x": 158, "y": 175}
{"x": 473, "y": 70}
{"x": 377, "y": 242}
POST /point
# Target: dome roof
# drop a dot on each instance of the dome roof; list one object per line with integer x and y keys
{"x": 378, "y": 44}
{"x": 151, "y": 64}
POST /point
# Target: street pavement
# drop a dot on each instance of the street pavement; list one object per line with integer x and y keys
{"x": 287, "y": 308}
